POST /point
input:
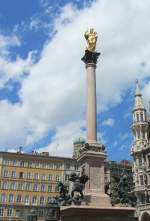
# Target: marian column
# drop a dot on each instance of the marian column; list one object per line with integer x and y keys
{"x": 92, "y": 154}
{"x": 90, "y": 60}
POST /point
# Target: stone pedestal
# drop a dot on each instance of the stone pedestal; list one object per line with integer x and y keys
{"x": 92, "y": 163}
{"x": 83, "y": 213}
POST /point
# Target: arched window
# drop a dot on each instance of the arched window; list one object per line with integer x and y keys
{"x": 34, "y": 200}
{"x": 19, "y": 199}
{"x": 42, "y": 200}
{"x": 3, "y": 198}
{"x": 35, "y": 187}
{"x": 138, "y": 133}
{"x": 142, "y": 117}
{"x": 26, "y": 200}
{"x": 11, "y": 198}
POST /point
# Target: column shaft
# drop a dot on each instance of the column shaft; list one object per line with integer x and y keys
{"x": 91, "y": 103}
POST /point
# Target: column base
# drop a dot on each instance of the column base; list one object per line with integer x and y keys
{"x": 97, "y": 200}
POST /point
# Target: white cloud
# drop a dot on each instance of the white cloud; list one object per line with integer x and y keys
{"x": 53, "y": 95}
{"x": 12, "y": 69}
{"x": 108, "y": 122}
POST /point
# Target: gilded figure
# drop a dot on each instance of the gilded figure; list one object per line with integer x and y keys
{"x": 91, "y": 38}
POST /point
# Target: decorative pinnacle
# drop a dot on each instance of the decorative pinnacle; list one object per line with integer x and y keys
{"x": 138, "y": 97}
{"x": 137, "y": 90}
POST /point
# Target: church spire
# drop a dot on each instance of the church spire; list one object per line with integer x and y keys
{"x": 138, "y": 98}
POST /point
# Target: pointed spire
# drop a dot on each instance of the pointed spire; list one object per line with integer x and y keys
{"x": 138, "y": 97}
{"x": 137, "y": 90}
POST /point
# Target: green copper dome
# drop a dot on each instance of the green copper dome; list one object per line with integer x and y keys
{"x": 79, "y": 140}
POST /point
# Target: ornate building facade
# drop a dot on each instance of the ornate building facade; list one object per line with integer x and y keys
{"x": 140, "y": 152}
{"x": 28, "y": 181}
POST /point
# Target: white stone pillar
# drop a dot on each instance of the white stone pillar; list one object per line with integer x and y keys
{"x": 91, "y": 103}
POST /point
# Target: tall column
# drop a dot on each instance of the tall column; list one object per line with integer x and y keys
{"x": 91, "y": 103}
{"x": 92, "y": 155}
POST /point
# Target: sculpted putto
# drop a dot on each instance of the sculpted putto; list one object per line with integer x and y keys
{"x": 91, "y": 38}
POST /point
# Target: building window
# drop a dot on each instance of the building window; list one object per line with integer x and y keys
{"x": 58, "y": 166}
{"x": 9, "y": 211}
{"x": 67, "y": 177}
{"x": 20, "y": 186}
{"x": 49, "y": 188}
{"x": 14, "y": 162}
{"x": 137, "y": 117}
{"x": 5, "y": 173}
{"x": 76, "y": 167}
{"x": 5, "y": 162}
{"x": 19, "y": 199}
{"x": 1, "y": 211}
{"x": 13, "y": 186}
{"x": 43, "y": 165}
{"x": 36, "y": 176}
{"x": 50, "y": 165}
{"x": 140, "y": 162}
{"x": 26, "y": 200}
{"x": 43, "y": 177}
{"x": 142, "y": 118}
{"x": 56, "y": 188}
{"x": 138, "y": 133}
{"x": 34, "y": 200}
{"x": 29, "y": 164}
{"x": 41, "y": 200}
{"x": 35, "y": 187}
{"x": 50, "y": 177}
{"x": 3, "y": 198}
{"x": 21, "y": 175}
{"x": 36, "y": 164}
{"x": 27, "y": 186}
{"x": 5, "y": 185}
{"x": 67, "y": 166}
{"x": 11, "y": 198}
{"x": 43, "y": 187}
{"x": 13, "y": 174}
{"x": 28, "y": 175}
{"x": 141, "y": 180}
{"x": 57, "y": 178}
{"x": 143, "y": 134}
{"x": 22, "y": 163}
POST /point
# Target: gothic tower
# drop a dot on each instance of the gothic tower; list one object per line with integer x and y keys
{"x": 140, "y": 151}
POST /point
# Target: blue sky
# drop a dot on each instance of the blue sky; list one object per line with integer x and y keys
{"x": 43, "y": 81}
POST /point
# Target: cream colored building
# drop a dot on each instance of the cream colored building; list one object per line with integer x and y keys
{"x": 28, "y": 181}
{"x": 140, "y": 152}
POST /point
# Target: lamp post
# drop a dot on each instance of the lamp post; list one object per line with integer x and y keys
{"x": 52, "y": 211}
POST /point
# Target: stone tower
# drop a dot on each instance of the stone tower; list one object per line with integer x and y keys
{"x": 140, "y": 151}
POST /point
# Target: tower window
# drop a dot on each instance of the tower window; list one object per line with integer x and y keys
{"x": 142, "y": 118}
{"x": 137, "y": 117}
{"x": 141, "y": 180}
{"x": 138, "y": 133}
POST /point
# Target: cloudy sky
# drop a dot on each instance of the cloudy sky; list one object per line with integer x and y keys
{"x": 43, "y": 81}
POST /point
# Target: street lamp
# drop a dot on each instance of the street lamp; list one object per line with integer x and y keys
{"x": 52, "y": 212}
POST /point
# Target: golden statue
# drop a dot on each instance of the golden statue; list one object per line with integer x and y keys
{"x": 91, "y": 38}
